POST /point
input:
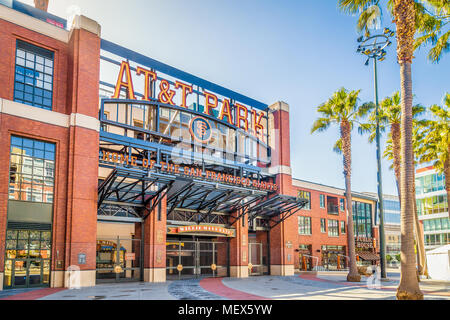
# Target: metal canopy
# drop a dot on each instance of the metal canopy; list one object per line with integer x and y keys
{"x": 126, "y": 192}
{"x": 206, "y": 198}
{"x": 277, "y": 209}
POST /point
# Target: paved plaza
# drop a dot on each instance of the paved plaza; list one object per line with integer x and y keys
{"x": 305, "y": 286}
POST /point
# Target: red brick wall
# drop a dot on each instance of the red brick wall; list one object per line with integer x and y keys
{"x": 8, "y": 35}
{"x": 317, "y": 238}
{"x": 155, "y": 238}
{"x": 239, "y": 244}
{"x": 36, "y": 130}
{"x": 75, "y": 90}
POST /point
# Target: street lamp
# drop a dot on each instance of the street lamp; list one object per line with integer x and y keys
{"x": 374, "y": 47}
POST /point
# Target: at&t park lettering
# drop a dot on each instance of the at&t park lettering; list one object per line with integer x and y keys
{"x": 167, "y": 95}
{"x": 188, "y": 171}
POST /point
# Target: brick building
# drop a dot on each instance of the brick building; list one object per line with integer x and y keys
{"x": 146, "y": 175}
{"x": 322, "y": 234}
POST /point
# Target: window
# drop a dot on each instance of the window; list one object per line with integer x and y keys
{"x": 342, "y": 227}
{"x": 32, "y": 170}
{"x": 323, "y": 225}
{"x": 33, "y": 83}
{"x": 322, "y": 201}
{"x": 304, "y": 225}
{"x": 305, "y": 195}
{"x": 362, "y": 219}
{"x": 333, "y": 228}
{"x": 342, "y": 204}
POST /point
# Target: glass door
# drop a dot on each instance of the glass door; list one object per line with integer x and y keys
{"x": 255, "y": 253}
{"x": 118, "y": 260}
{"x": 27, "y": 262}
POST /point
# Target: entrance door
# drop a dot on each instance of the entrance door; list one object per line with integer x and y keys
{"x": 194, "y": 259}
{"x": 255, "y": 253}
{"x": 119, "y": 260}
{"x": 27, "y": 261}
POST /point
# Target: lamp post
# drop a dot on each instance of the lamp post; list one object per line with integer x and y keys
{"x": 374, "y": 48}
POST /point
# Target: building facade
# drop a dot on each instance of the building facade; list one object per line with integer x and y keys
{"x": 117, "y": 167}
{"x": 432, "y": 207}
{"x": 322, "y": 228}
{"x": 391, "y": 223}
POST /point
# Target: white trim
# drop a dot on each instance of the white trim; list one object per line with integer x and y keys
{"x": 280, "y": 105}
{"x": 425, "y": 233}
{"x": 433, "y": 216}
{"x": 21, "y": 110}
{"x": 425, "y": 173}
{"x": 431, "y": 194}
{"x": 317, "y": 187}
{"x": 83, "y": 22}
{"x": 81, "y": 120}
{"x": 33, "y": 113}
{"x": 33, "y": 24}
{"x": 280, "y": 170}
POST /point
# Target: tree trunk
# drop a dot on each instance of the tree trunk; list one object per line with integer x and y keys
{"x": 353, "y": 275}
{"x": 396, "y": 152}
{"x": 404, "y": 14}
{"x": 409, "y": 285}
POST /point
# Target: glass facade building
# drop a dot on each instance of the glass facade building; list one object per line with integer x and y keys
{"x": 362, "y": 219}
{"x": 432, "y": 207}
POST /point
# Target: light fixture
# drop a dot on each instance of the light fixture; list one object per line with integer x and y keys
{"x": 382, "y": 59}
{"x": 386, "y": 30}
{"x": 360, "y": 39}
{"x": 367, "y": 62}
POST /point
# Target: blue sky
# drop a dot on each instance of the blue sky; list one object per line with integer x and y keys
{"x": 299, "y": 52}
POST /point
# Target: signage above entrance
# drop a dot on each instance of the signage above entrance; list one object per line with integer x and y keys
{"x": 187, "y": 171}
{"x": 202, "y": 229}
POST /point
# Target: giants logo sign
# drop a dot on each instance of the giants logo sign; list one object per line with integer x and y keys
{"x": 200, "y": 130}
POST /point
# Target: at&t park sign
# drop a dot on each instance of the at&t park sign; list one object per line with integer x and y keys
{"x": 166, "y": 95}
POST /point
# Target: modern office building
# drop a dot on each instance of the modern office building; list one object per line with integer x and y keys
{"x": 432, "y": 207}
{"x": 391, "y": 222}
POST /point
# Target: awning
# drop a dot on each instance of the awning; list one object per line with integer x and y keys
{"x": 277, "y": 209}
{"x": 128, "y": 191}
{"x": 368, "y": 256}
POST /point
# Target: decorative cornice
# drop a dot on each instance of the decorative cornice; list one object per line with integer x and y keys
{"x": 33, "y": 24}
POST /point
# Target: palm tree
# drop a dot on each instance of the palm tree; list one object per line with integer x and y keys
{"x": 342, "y": 109}
{"x": 432, "y": 22}
{"x": 390, "y": 115}
{"x": 433, "y": 27}
{"x": 404, "y": 13}
{"x": 436, "y": 143}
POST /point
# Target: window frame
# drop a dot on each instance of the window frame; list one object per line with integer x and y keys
{"x": 39, "y": 92}
{"x": 302, "y": 226}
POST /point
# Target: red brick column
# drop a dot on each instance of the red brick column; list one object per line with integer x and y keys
{"x": 239, "y": 259}
{"x": 285, "y": 235}
{"x": 83, "y": 102}
{"x": 155, "y": 244}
